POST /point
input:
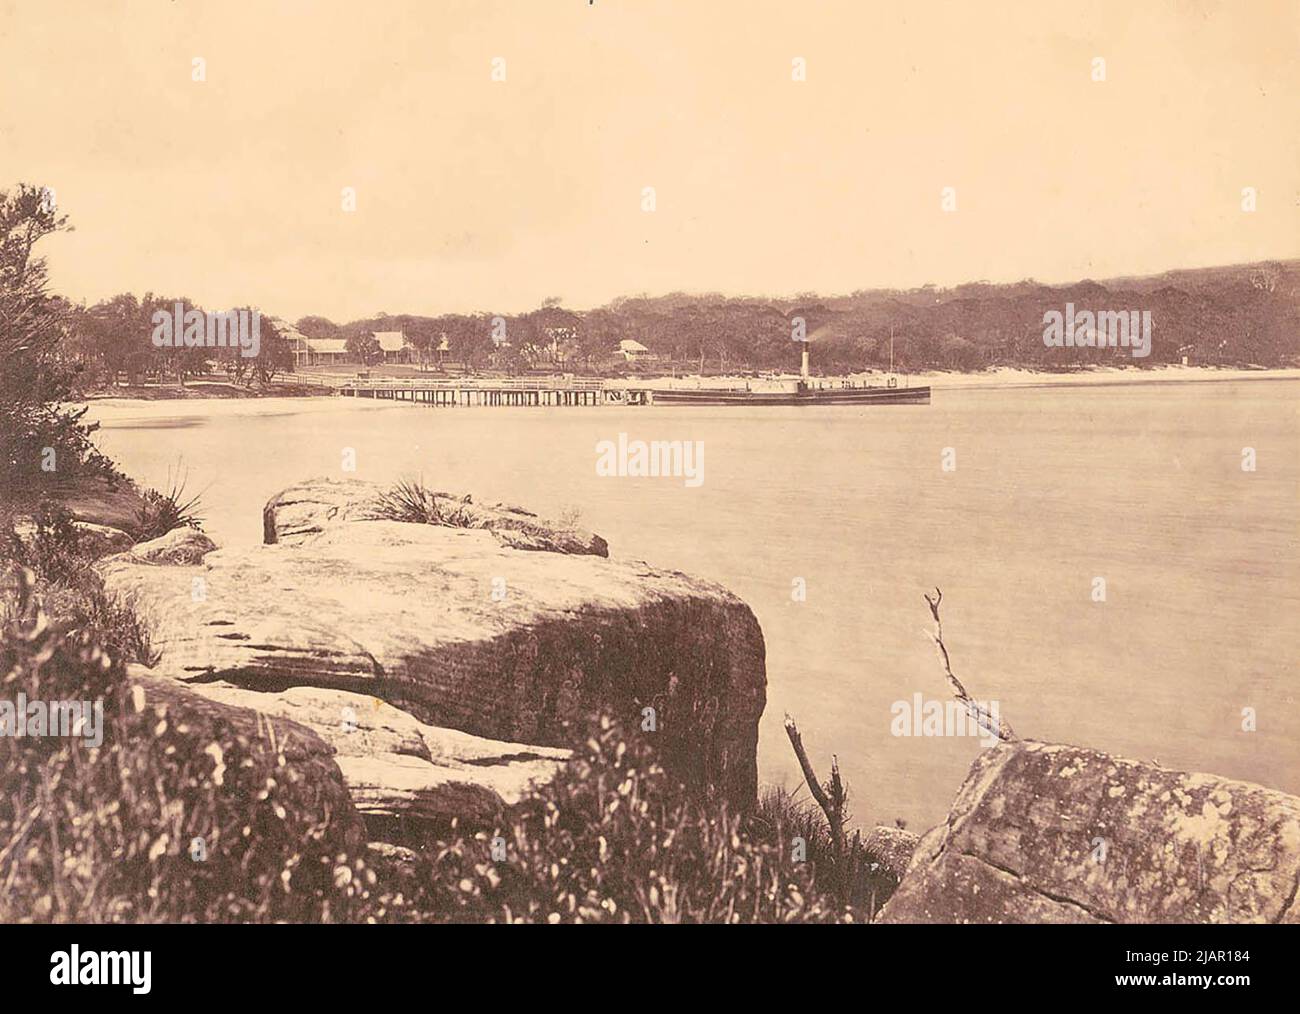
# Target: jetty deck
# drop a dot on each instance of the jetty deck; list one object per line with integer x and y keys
{"x": 541, "y": 391}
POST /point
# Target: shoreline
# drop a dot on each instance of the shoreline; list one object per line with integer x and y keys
{"x": 997, "y": 379}
{"x": 1102, "y": 376}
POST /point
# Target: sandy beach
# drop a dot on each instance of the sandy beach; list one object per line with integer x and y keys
{"x": 1002, "y": 377}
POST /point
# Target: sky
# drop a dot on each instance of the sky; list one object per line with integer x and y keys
{"x": 475, "y": 194}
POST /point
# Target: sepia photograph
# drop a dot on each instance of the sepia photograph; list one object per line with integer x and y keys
{"x": 614, "y": 462}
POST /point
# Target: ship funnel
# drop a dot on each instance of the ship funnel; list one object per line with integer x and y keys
{"x": 803, "y": 369}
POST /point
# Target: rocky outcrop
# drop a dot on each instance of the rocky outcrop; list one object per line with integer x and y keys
{"x": 449, "y": 670}
{"x": 396, "y": 766}
{"x": 113, "y": 503}
{"x": 303, "y": 512}
{"x": 179, "y": 546}
{"x": 309, "y": 790}
{"x": 1046, "y": 833}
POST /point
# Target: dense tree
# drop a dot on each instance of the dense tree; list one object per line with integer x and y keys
{"x": 40, "y": 437}
{"x": 364, "y": 348}
{"x": 274, "y": 355}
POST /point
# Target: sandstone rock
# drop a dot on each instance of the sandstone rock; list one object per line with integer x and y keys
{"x": 302, "y": 512}
{"x": 309, "y": 786}
{"x": 1046, "y": 833}
{"x": 100, "y": 501}
{"x": 893, "y": 847}
{"x": 478, "y": 693}
{"x": 179, "y": 546}
{"x": 396, "y": 766}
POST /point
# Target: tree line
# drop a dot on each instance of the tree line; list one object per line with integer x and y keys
{"x": 1231, "y": 316}
{"x": 114, "y": 338}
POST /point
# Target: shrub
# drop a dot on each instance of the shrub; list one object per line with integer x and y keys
{"x": 101, "y": 834}
{"x": 611, "y": 839}
{"x": 860, "y": 880}
{"x": 60, "y": 558}
{"x": 160, "y": 513}
{"x": 411, "y": 501}
{"x": 408, "y": 500}
{"x": 52, "y": 546}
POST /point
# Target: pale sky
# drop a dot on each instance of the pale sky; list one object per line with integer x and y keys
{"x": 474, "y": 194}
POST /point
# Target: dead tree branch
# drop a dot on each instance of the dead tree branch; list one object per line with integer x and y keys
{"x": 833, "y": 804}
{"x": 992, "y": 724}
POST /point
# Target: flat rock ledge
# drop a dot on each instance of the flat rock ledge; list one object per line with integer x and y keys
{"x": 447, "y": 669}
{"x": 1049, "y": 833}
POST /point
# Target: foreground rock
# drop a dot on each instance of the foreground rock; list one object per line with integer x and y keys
{"x": 893, "y": 847}
{"x": 448, "y": 669}
{"x": 1042, "y": 833}
{"x": 396, "y": 766}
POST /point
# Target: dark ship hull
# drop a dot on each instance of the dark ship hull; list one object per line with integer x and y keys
{"x": 800, "y": 396}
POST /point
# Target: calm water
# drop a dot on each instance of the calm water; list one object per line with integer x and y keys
{"x": 1140, "y": 485}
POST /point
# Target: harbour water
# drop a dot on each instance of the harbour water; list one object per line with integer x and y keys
{"x": 1046, "y": 491}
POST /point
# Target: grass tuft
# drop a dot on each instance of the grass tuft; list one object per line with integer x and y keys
{"x": 411, "y": 501}
{"x": 160, "y": 513}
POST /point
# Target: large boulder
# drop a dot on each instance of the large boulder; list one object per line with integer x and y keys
{"x": 301, "y": 513}
{"x": 1047, "y": 833}
{"x": 449, "y": 670}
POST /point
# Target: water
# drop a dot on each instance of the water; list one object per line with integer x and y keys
{"x": 1140, "y": 485}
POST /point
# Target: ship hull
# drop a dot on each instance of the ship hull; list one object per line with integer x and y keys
{"x": 828, "y": 396}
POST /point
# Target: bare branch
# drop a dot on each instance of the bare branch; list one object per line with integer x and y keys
{"x": 992, "y": 724}
{"x": 833, "y": 805}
